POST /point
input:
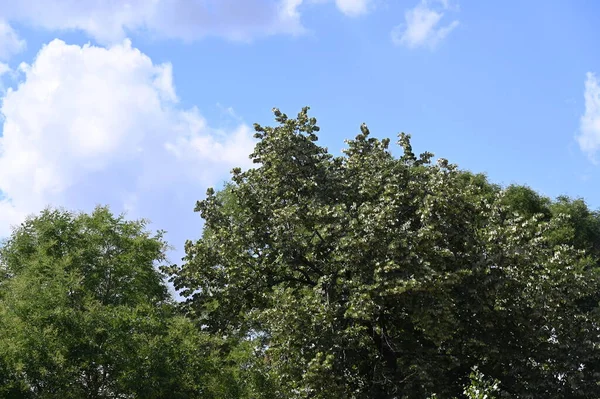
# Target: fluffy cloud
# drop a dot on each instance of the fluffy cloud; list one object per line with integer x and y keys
{"x": 350, "y": 8}
{"x": 422, "y": 25}
{"x": 109, "y": 21}
{"x": 589, "y": 137}
{"x": 91, "y": 125}
{"x": 10, "y": 42}
{"x": 353, "y": 7}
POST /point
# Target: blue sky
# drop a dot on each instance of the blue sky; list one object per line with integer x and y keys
{"x": 143, "y": 104}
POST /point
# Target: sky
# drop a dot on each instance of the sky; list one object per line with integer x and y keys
{"x": 143, "y": 104}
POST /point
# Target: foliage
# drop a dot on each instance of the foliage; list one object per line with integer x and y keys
{"x": 368, "y": 275}
{"x": 365, "y": 275}
{"x": 85, "y": 314}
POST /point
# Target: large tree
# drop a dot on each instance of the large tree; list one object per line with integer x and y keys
{"x": 369, "y": 275}
{"x": 84, "y": 313}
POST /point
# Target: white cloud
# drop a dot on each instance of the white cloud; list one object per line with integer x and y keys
{"x": 91, "y": 125}
{"x": 353, "y": 7}
{"x": 422, "y": 25}
{"x": 350, "y": 8}
{"x": 4, "y": 68}
{"x": 109, "y": 21}
{"x": 10, "y": 42}
{"x": 589, "y": 137}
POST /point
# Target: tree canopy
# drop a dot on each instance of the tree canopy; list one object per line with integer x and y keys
{"x": 84, "y": 313}
{"x": 373, "y": 275}
{"x": 376, "y": 273}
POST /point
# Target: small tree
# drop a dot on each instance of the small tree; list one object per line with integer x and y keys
{"x": 84, "y": 313}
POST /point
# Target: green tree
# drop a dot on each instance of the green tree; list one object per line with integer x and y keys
{"x": 368, "y": 275}
{"x": 84, "y": 313}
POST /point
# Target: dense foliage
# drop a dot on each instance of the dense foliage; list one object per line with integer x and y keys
{"x": 85, "y": 314}
{"x": 368, "y": 275}
{"x": 364, "y": 275}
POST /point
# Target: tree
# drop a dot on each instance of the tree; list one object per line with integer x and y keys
{"x": 84, "y": 313}
{"x": 369, "y": 275}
